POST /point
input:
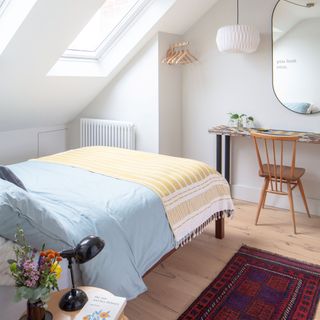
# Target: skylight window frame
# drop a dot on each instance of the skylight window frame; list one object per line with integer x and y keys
{"x": 4, "y": 6}
{"x": 112, "y": 37}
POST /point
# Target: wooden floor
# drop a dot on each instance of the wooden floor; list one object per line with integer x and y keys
{"x": 174, "y": 284}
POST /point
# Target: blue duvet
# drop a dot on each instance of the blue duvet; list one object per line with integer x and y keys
{"x": 65, "y": 204}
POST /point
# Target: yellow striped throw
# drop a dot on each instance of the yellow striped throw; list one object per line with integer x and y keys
{"x": 192, "y": 193}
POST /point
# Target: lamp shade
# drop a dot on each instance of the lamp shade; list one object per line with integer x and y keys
{"x": 88, "y": 248}
{"x": 238, "y": 39}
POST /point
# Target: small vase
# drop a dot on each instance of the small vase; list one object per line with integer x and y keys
{"x": 250, "y": 124}
{"x": 233, "y": 123}
{"x": 36, "y": 310}
{"x": 240, "y": 123}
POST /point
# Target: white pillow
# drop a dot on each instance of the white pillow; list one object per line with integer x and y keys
{"x": 313, "y": 109}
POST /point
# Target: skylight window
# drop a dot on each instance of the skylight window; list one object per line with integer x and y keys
{"x": 105, "y": 26}
{"x": 3, "y": 5}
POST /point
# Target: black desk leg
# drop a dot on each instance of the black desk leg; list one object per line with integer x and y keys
{"x": 227, "y": 158}
{"x": 219, "y": 222}
{"x": 219, "y": 153}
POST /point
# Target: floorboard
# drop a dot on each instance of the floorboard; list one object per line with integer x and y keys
{"x": 176, "y": 282}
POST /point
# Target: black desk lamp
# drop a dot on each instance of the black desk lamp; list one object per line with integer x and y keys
{"x": 87, "y": 249}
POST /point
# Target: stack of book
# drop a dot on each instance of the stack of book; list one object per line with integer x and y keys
{"x": 102, "y": 307}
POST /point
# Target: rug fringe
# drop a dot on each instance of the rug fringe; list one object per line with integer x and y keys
{"x": 279, "y": 255}
{"x": 200, "y": 229}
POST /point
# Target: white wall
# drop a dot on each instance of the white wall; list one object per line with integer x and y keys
{"x": 224, "y": 83}
{"x": 170, "y": 100}
{"x": 147, "y": 93}
{"x": 46, "y": 32}
{"x": 131, "y": 96}
{"x": 22, "y": 145}
{"x": 28, "y": 97}
{"x": 296, "y": 81}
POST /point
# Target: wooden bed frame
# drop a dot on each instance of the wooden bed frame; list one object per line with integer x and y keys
{"x": 219, "y": 234}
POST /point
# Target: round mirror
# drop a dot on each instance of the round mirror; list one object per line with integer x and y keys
{"x": 296, "y": 47}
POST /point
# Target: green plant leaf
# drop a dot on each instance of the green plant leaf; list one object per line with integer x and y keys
{"x": 32, "y": 294}
{"x": 13, "y": 267}
{"x": 11, "y": 261}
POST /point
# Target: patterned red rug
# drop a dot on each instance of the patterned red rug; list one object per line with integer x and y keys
{"x": 258, "y": 285}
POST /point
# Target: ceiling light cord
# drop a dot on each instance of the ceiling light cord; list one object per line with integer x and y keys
{"x": 237, "y": 11}
{"x": 308, "y": 5}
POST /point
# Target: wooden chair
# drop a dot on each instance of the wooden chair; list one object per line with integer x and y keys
{"x": 276, "y": 174}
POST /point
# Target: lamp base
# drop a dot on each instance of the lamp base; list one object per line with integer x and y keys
{"x": 73, "y": 300}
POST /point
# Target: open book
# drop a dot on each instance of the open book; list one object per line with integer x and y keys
{"x": 102, "y": 307}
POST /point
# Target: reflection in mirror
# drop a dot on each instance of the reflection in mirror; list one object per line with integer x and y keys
{"x": 296, "y": 47}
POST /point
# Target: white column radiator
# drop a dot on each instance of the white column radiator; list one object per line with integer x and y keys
{"x": 96, "y": 132}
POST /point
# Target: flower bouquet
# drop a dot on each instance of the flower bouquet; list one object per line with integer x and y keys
{"x": 35, "y": 277}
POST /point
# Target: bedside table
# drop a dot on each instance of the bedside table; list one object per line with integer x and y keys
{"x": 58, "y": 314}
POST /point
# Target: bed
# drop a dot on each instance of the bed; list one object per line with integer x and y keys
{"x": 143, "y": 205}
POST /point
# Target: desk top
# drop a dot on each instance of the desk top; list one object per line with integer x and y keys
{"x": 307, "y": 137}
{"x": 53, "y": 303}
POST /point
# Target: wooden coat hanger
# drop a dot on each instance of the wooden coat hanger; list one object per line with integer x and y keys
{"x": 179, "y": 53}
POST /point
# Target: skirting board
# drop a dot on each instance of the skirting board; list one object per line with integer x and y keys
{"x": 252, "y": 194}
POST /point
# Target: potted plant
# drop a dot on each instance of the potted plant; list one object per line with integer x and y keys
{"x": 35, "y": 277}
{"x": 249, "y": 122}
{"x": 236, "y": 120}
{"x": 240, "y": 120}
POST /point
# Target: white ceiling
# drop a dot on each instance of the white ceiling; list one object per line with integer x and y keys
{"x": 30, "y": 98}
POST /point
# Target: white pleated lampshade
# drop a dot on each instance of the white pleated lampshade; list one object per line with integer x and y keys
{"x": 238, "y": 39}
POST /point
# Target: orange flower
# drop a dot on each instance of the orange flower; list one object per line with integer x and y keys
{"x": 104, "y": 315}
{"x": 51, "y": 256}
{"x": 42, "y": 254}
{"x": 46, "y": 252}
{"x": 59, "y": 259}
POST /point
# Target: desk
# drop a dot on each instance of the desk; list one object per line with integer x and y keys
{"x": 228, "y": 132}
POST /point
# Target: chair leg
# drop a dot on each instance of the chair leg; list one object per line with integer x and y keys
{"x": 304, "y": 197}
{"x": 262, "y": 198}
{"x": 265, "y": 195}
{"x": 292, "y": 208}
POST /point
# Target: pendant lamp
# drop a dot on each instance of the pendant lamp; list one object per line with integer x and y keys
{"x": 238, "y": 38}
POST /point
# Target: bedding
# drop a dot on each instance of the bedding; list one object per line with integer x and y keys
{"x": 65, "y": 203}
{"x": 313, "y": 109}
{"x": 301, "y": 107}
{"x": 191, "y": 191}
{"x": 8, "y": 175}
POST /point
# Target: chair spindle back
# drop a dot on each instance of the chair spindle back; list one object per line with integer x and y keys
{"x": 269, "y": 147}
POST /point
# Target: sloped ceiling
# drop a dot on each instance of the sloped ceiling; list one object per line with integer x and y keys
{"x": 28, "y": 97}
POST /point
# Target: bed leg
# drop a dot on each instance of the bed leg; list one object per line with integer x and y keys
{"x": 220, "y": 228}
